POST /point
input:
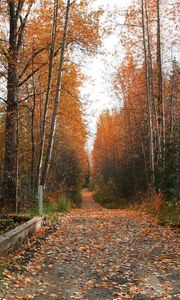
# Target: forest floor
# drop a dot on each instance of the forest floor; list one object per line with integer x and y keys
{"x": 96, "y": 254}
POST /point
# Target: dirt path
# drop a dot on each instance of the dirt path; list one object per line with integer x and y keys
{"x": 88, "y": 201}
{"x": 97, "y": 254}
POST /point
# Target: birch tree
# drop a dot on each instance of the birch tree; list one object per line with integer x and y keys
{"x": 148, "y": 95}
{"x": 50, "y": 72}
{"x": 56, "y": 99}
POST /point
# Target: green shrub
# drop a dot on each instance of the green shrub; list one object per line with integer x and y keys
{"x": 105, "y": 192}
{"x": 107, "y": 196}
{"x": 169, "y": 214}
{"x": 76, "y": 198}
{"x": 98, "y": 197}
{"x": 63, "y": 204}
{"x": 32, "y": 211}
{"x": 113, "y": 204}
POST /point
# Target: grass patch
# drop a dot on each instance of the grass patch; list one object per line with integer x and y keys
{"x": 61, "y": 204}
{"x": 119, "y": 203}
{"x": 168, "y": 215}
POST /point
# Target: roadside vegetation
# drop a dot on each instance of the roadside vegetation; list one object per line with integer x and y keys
{"x": 166, "y": 212}
{"x": 42, "y": 118}
{"x": 136, "y": 155}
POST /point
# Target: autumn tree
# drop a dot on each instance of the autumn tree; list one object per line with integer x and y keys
{"x": 145, "y": 83}
{"x": 17, "y": 18}
{"x": 37, "y": 71}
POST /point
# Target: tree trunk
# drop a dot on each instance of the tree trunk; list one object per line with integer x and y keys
{"x": 132, "y": 152}
{"x": 32, "y": 131}
{"x": 157, "y": 138}
{"x": 9, "y": 187}
{"x": 178, "y": 160}
{"x": 147, "y": 80}
{"x": 10, "y": 158}
{"x": 161, "y": 119}
{"x": 56, "y": 100}
{"x": 51, "y": 59}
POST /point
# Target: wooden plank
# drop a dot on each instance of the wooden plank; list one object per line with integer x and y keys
{"x": 14, "y": 238}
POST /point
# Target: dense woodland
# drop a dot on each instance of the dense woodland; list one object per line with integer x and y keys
{"x": 137, "y": 146}
{"x": 43, "y": 130}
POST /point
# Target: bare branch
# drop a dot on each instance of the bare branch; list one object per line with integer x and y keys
{"x": 21, "y": 27}
{"x": 31, "y": 95}
{"x": 30, "y": 60}
{"x": 31, "y": 74}
{"x": 70, "y": 93}
{"x": 3, "y": 99}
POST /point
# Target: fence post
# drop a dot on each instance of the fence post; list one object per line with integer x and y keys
{"x": 40, "y": 199}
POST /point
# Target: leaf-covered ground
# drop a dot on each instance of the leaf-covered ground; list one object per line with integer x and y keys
{"x": 94, "y": 253}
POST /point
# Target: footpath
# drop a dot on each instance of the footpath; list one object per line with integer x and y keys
{"x": 96, "y": 254}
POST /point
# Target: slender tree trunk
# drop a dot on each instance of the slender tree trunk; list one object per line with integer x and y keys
{"x": 161, "y": 118}
{"x": 51, "y": 60}
{"x": 32, "y": 132}
{"x": 56, "y": 100}
{"x": 10, "y": 159}
{"x": 127, "y": 155}
{"x": 149, "y": 105}
{"x": 16, "y": 28}
{"x": 17, "y": 159}
{"x": 178, "y": 160}
{"x": 172, "y": 108}
{"x": 152, "y": 90}
{"x": 132, "y": 152}
{"x": 175, "y": 122}
{"x": 40, "y": 117}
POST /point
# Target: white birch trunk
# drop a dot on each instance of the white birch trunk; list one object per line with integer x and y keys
{"x": 151, "y": 140}
{"x": 56, "y": 100}
{"x": 51, "y": 60}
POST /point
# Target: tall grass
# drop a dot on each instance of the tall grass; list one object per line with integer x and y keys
{"x": 61, "y": 204}
{"x": 154, "y": 203}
